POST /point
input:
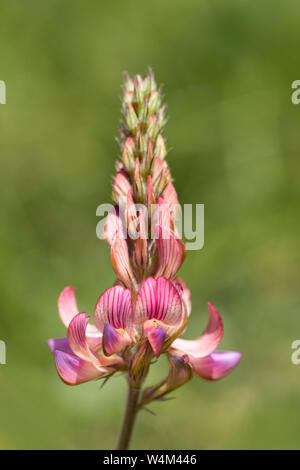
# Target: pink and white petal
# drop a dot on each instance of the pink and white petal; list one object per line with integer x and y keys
{"x": 208, "y": 341}
{"x": 77, "y": 338}
{"x": 169, "y": 304}
{"x": 67, "y": 310}
{"x": 145, "y": 305}
{"x": 158, "y": 299}
{"x": 114, "y": 306}
{"x": 113, "y": 225}
{"x": 169, "y": 195}
{"x": 121, "y": 186}
{"x": 164, "y": 215}
{"x": 75, "y": 371}
{"x": 114, "y": 341}
{"x": 185, "y": 294}
{"x": 141, "y": 245}
{"x": 67, "y": 305}
{"x": 171, "y": 252}
{"x": 121, "y": 263}
{"x": 216, "y": 365}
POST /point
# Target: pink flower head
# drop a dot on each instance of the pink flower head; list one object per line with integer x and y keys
{"x": 147, "y": 310}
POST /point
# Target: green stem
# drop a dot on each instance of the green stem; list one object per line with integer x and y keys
{"x": 129, "y": 416}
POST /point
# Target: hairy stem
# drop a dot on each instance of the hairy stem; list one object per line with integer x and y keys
{"x": 129, "y": 416}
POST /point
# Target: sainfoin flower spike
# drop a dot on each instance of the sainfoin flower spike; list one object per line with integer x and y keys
{"x": 144, "y": 314}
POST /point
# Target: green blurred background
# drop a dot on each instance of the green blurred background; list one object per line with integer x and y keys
{"x": 227, "y": 69}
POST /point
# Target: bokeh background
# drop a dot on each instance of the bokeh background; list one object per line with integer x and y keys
{"x": 227, "y": 69}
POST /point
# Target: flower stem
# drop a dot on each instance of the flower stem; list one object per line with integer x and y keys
{"x": 129, "y": 416}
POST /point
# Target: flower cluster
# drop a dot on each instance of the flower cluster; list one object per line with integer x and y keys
{"x": 144, "y": 314}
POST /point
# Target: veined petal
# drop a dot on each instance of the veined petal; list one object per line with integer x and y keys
{"x": 114, "y": 307}
{"x": 114, "y": 341}
{"x": 131, "y": 216}
{"x": 169, "y": 196}
{"x": 121, "y": 263}
{"x": 113, "y": 225}
{"x": 158, "y": 299}
{"x": 185, "y": 293}
{"x": 74, "y": 371}
{"x": 140, "y": 249}
{"x": 208, "y": 341}
{"x": 77, "y": 338}
{"x": 164, "y": 216}
{"x": 150, "y": 196}
{"x": 171, "y": 252}
{"x": 67, "y": 310}
{"x": 215, "y": 366}
{"x": 121, "y": 186}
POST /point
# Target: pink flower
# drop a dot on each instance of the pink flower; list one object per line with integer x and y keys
{"x": 147, "y": 310}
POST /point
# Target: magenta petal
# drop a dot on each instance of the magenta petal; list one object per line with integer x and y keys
{"x": 77, "y": 337}
{"x": 74, "y": 371}
{"x": 120, "y": 260}
{"x": 216, "y": 365}
{"x": 171, "y": 252}
{"x": 62, "y": 344}
{"x": 113, "y": 225}
{"x": 156, "y": 338}
{"x": 160, "y": 300}
{"x": 185, "y": 294}
{"x": 114, "y": 307}
{"x": 113, "y": 341}
{"x": 208, "y": 341}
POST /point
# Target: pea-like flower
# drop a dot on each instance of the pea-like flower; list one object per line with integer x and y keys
{"x": 146, "y": 312}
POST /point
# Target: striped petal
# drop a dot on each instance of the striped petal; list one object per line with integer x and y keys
{"x": 185, "y": 294}
{"x": 169, "y": 196}
{"x": 208, "y": 341}
{"x": 159, "y": 299}
{"x": 114, "y": 307}
{"x": 113, "y": 225}
{"x": 141, "y": 245}
{"x": 171, "y": 252}
{"x": 121, "y": 263}
{"x": 215, "y": 366}
{"x": 77, "y": 338}
{"x": 121, "y": 186}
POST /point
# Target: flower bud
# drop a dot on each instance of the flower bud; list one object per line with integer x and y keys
{"x": 154, "y": 102}
{"x": 179, "y": 374}
{"x": 160, "y": 147}
{"x": 131, "y": 119}
{"x": 138, "y": 181}
{"x": 128, "y": 154}
{"x": 141, "y": 362}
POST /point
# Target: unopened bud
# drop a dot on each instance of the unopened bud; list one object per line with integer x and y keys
{"x": 179, "y": 374}
{"x": 160, "y": 147}
{"x": 128, "y": 154}
{"x": 131, "y": 119}
{"x": 154, "y": 102}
